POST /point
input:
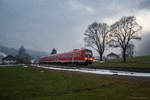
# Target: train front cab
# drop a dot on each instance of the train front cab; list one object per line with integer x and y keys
{"x": 88, "y": 56}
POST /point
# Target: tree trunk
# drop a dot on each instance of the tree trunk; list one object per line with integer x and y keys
{"x": 101, "y": 57}
{"x": 124, "y": 54}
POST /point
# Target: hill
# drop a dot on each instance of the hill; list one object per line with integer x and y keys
{"x": 8, "y": 51}
{"x": 14, "y": 51}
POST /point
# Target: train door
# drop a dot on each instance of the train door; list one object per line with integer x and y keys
{"x": 57, "y": 59}
{"x": 73, "y": 57}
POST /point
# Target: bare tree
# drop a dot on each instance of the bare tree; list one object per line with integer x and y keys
{"x": 96, "y": 36}
{"x": 54, "y": 51}
{"x": 130, "y": 50}
{"x": 123, "y": 31}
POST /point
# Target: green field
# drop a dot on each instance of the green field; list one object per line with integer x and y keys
{"x": 136, "y": 62}
{"x": 30, "y": 83}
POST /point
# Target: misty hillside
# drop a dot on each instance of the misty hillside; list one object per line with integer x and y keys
{"x": 8, "y": 51}
{"x": 36, "y": 54}
{"x": 13, "y": 51}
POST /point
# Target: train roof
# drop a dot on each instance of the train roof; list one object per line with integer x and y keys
{"x": 75, "y": 50}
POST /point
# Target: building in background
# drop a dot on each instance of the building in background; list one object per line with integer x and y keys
{"x": 9, "y": 60}
{"x": 112, "y": 56}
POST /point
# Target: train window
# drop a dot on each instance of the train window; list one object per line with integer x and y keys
{"x": 76, "y": 54}
{"x": 53, "y": 57}
{"x": 66, "y": 55}
{"x": 50, "y": 57}
{"x": 88, "y": 53}
{"x": 69, "y": 55}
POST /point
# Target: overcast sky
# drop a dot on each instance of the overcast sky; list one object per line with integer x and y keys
{"x": 46, "y": 24}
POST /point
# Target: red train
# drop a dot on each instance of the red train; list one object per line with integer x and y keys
{"x": 77, "y": 57}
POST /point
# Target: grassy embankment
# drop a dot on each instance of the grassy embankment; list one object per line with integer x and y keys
{"x": 19, "y": 83}
{"x": 136, "y": 62}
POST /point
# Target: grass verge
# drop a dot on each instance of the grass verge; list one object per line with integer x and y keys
{"x": 136, "y": 62}
{"x": 20, "y": 83}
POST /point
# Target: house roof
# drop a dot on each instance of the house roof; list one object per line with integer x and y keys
{"x": 113, "y": 54}
{"x": 9, "y": 57}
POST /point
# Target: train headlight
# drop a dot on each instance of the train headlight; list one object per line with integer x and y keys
{"x": 91, "y": 59}
{"x": 86, "y": 59}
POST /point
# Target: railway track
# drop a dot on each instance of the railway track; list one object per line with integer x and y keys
{"x": 95, "y": 71}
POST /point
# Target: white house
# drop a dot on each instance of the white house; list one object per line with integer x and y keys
{"x": 9, "y": 60}
{"x": 112, "y": 56}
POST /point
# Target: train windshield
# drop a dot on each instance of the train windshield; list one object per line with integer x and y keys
{"x": 88, "y": 53}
